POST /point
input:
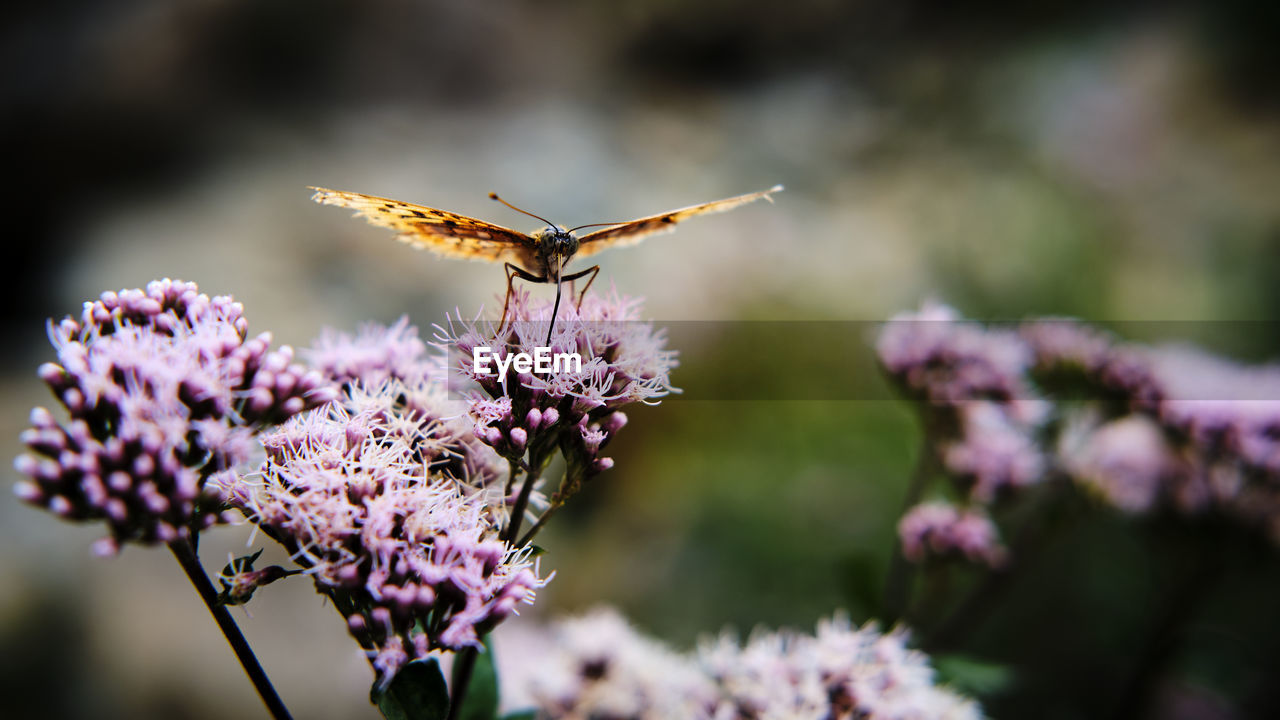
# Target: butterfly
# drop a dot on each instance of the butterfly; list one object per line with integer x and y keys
{"x": 539, "y": 258}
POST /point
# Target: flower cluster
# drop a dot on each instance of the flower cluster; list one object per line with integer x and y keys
{"x": 1197, "y": 433}
{"x": 978, "y": 403}
{"x": 1126, "y": 462}
{"x": 983, "y": 420}
{"x": 1139, "y": 427}
{"x": 841, "y": 672}
{"x": 939, "y": 358}
{"x": 372, "y": 355}
{"x": 370, "y": 495}
{"x": 938, "y": 529}
{"x": 365, "y": 362}
{"x": 996, "y": 453}
{"x": 398, "y": 499}
{"x": 600, "y": 667}
{"x": 164, "y": 389}
{"x": 528, "y": 416}
{"x": 597, "y": 665}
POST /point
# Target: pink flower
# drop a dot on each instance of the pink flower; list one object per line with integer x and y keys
{"x": 527, "y": 416}
{"x": 939, "y": 530}
{"x": 597, "y": 665}
{"x": 388, "y": 505}
{"x": 164, "y": 390}
{"x": 995, "y": 454}
{"x": 1066, "y": 343}
{"x": 1143, "y": 424}
{"x": 372, "y": 355}
{"x": 1127, "y": 461}
{"x": 945, "y": 360}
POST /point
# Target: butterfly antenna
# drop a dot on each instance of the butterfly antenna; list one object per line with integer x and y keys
{"x": 596, "y": 225}
{"x": 494, "y": 196}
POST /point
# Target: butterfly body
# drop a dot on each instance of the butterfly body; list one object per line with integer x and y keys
{"x": 555, "y": 247}
{"x": 540, "y": 257}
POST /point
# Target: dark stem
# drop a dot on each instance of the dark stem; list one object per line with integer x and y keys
{"x": 542, "y": 520}
{"x": 971, "y": 612}
{"x": 1163, "y": 639}
{"x": 186, "y": 556}
{"x": 900, "y": 571}
{"x": 467, "y": 658}
{"x": 465, "y": 665}
{"x": 522, "y": 502}
{"x": 512, "y": 474}
{"x": 937, "y": 584}
{"x": 1027, "y": 544}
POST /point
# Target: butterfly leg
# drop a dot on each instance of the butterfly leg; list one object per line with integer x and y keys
{"x": 594, "y": 270}
{"x": 570, "y": 278}
{"x": 514, "y": 271}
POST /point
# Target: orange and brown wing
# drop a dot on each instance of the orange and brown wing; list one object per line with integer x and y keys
{"x": 440, "y": 231}
{"x": 636, "y": 230}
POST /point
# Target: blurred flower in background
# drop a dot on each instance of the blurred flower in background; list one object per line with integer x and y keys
{"x": 597, "y": 665}
{"x": 1143, "y": 426}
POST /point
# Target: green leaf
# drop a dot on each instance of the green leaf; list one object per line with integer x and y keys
{"x": 971, "y": 676}
{"x": 417, "y": 692}
{"x": 481, "y": 701}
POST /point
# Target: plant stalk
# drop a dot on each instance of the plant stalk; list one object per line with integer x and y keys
{"x": 465, "y": 665}
{"x": 542, "y": 520}
{"x": 522, "y": 502}
{"x": 185, "y": 553}
{"x": 900, "y": 571}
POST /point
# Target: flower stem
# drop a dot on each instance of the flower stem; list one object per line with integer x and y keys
{"x": 462, "y": 669}
{"x": 899, "y": 575}
{"x": 1026, "y": 548}
{"x": 185, "y": 553}
{"x": 1199, "y": 570}
{"x": 512, "y": 474}
{"x": 542, "y": 520}
{"x": 522, "y": 502}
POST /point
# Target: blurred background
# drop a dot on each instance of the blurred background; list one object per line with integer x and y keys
{"x": 1116, "y": 163}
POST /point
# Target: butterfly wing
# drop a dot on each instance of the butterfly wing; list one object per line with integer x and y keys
{"x": 636, "y": 230}
{"x": 440, "y": 231}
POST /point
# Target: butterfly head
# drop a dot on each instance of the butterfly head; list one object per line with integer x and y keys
{"x": 556, "y": 247}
